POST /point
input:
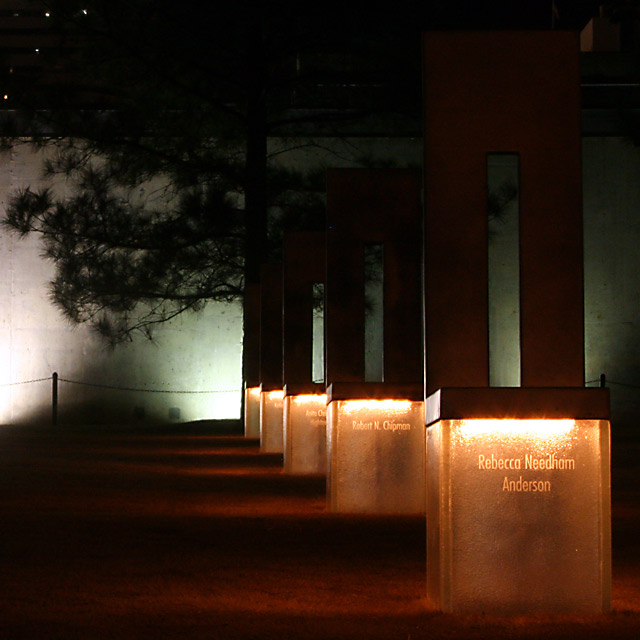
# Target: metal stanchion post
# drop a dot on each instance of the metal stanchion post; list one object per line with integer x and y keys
{"x": 54, "y": 399}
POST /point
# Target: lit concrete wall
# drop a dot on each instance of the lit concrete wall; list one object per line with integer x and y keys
{"x": 504, "y": 276}
{"x": 203, "y": 352}
{"x": 611, "y": 188}
{"x": 193, "y": 353}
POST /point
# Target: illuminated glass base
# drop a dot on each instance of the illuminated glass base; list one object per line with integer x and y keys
{"x": 376, "y": 456}
{"x": 252, "y": 412}
{"x": 271, "y": 421}
{"x": 518, "y": 516}
{"x": 305, "y": 434}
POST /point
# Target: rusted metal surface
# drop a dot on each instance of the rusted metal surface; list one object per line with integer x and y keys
{"x": 373, "y": 206}
{"x": 251, "y": 335}
{"x": 271, "y": 326}
{"x": 516, "y": 92}
{"x": 303, "y": 265}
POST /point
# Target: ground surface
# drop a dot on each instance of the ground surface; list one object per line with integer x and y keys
{"x": 134, "y": 535}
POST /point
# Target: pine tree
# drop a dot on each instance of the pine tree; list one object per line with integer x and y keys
{"x": 159, "y": 118}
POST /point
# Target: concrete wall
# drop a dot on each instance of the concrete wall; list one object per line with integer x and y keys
{"x": 203, "y": 352}
{"x": 194, "y": 352}
{"x": 611, "y": 201}
{"x": 198, "y": 352}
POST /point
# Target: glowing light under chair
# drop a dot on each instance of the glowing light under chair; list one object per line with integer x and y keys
{"x": 252, "y": 412}
{"x": 375, "y": 449}
{"x": 271, "y": 416}
{"x": 518, "y": 511}
{"x": 305, "y": 444}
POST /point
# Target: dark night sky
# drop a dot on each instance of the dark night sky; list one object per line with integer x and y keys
{"x": 469, "y": 14}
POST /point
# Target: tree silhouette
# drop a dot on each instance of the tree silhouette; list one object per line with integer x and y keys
{"x": 158, "y": 120}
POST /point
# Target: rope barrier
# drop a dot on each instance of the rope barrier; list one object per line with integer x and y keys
{"x": 15, "y": 384}
{"x": 55, "y": 379}
{"x": 604, "y": 381}
{"x": 107, "y": 386}
{"x": 117, "y": 388}
{"x": 208, "y": 391}
{"x": 623, "y": 384}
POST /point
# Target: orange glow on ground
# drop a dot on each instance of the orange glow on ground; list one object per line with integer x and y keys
{"x": 97, "y": 549}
